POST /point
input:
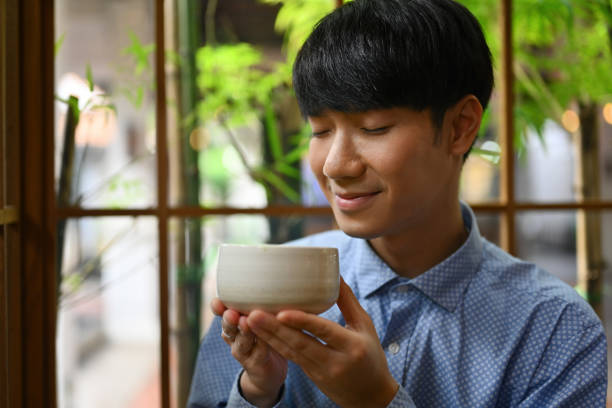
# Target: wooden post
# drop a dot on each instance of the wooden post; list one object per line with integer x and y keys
{"x": 589, "y": 256}
{"x": 506, "y": 135}
{"x": 162, "y": 198}
{"x": 185, "y": 328}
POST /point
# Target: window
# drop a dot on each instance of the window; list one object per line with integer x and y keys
{"x": 126, "y": 204}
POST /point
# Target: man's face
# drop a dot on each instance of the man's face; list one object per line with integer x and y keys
{"x": 382, "y": 170}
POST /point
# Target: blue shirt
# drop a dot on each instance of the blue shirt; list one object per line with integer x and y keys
{"x": 480, "y": 329}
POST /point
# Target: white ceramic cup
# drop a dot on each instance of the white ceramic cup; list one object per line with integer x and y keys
{"x": 277, "y": 277}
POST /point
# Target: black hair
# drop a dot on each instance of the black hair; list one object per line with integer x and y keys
{"x": 376, "y": 54}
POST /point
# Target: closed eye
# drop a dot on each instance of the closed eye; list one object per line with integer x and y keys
{"x": 319, "y": 133}
{"x": 376, "y": 131}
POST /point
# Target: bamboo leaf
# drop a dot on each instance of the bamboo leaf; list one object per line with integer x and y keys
{"x": 287, "y": 170}
{"x": 89, "y": 101}
{"x": 109, "y": 106}
{"x": 73, "y": 103}
{"x": 279, "y": 184}
{"x": 57, "y": 97}
{"x": 489, "y": 151}
{"x": 274, "y": 139}
{"x": 58, "y": 44}
{"x": 296, "y": 154}
{"x": 112, "y": 107}
{"x": 139, "y": 97}
{"x": 89, "y": 76}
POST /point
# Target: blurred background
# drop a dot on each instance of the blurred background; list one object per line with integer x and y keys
{"x": 235, "y": 142}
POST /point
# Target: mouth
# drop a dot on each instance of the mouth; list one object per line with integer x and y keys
{"x": 354, "y": 201}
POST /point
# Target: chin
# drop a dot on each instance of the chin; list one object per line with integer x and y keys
{"x": 359, "y": 229}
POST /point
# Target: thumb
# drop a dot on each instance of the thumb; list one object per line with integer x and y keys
{"x": 354, "y": 315}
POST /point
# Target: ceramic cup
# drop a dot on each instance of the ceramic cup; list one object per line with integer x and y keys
{"x": 277, "y": 277}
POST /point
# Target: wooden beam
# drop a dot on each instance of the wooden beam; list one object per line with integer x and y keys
{"x": 4, "y": 368}
{"x": 506, "y": 135}
{"x": 37, "y": 274}
{"x": 12, "y": 260}
{"x": 162, "y": 198}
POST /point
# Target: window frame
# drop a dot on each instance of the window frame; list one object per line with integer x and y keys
{"x": 28, "y": 282}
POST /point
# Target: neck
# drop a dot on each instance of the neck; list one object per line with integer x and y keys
{"x": 422, "y": 246}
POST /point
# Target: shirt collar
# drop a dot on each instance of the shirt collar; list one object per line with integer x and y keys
{"x": 445, "y": 283}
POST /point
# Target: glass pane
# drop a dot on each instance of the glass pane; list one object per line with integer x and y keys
{"x": 548, "y": 239}
{"x": 566, "y": 243}
{"x": 226, "y": 149}
{"x": 562, "y": 92}
{"x": 480, "y": 176}
{"x": 606, "y": 315}
{"x": 220, "y": 137}
{"x": 194, "y": 244}
{"x": 104, "y": 109}
{"x": 108, "y": 318}
{"x": 549, "y": 170}
{"x": 489, "y": 225}
{"x": 545, "y": 170}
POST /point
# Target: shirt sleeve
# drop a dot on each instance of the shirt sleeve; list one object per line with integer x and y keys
{"x": 237, "y": 400}
{"x": 401, "y": 400}
{"x": 215, "y": 371}
{"x": 572, "y": 371}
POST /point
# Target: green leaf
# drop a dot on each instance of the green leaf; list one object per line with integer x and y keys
{"x": 112, "y": 107}
{"x": 287, "y": 170}
{"x": 296, "y": 154}
{"x": 581, "y": 292}
{"x": 279, "y": 184}
{"x": 135, "y": 96}
{"x": 274, "y": 138}
{"x": 489, "y": 151}
{"x": 73, "y": 103}
{"x": 89, "y": 75}
{"x": 58, "y": 44}
{"x": 139, "y": 52}
{"x": 57, "y": 97}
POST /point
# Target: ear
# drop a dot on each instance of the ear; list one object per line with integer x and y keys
{"x": 465, "y": 118}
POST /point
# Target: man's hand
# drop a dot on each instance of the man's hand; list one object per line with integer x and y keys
{"x": 264, "y": 369}
{"x": 347, "y": 363}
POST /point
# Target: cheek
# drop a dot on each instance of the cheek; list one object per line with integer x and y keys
{"x": 394, "y": 160}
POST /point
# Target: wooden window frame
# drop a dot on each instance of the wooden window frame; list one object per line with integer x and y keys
{"x": 28, "y": 280}
{"x": 27, "y": 292}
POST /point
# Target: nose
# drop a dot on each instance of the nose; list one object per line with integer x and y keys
{"x": 343, "y": 160}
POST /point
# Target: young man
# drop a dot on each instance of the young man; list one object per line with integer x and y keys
{"x": 430, "y": 314}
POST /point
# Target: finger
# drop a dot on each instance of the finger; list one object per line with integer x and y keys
{"x": 294, "y": 345}
{"x": 229, "y": 324}
{"x": 217, "y": 307}
{"x": 243, "y": 325}
{"x": 243, "y": 345}
{"x": 331, "y": 333}
{"x": 354, "y": 315}
{"x": 232, "y": 317}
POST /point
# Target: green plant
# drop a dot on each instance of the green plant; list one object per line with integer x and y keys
{"x": 71, "y": 170}
{"x": 562, "y": 52}
{"x": 237, "y": 87}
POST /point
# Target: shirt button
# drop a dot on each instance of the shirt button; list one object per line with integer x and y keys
{"x": 394, "y": 348}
